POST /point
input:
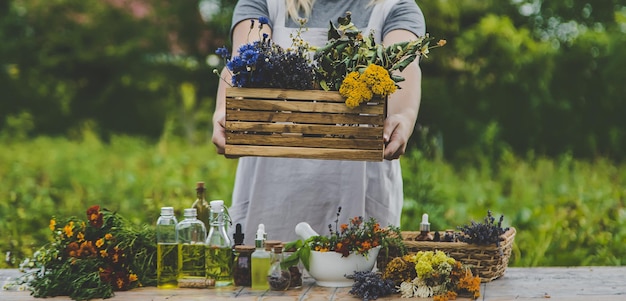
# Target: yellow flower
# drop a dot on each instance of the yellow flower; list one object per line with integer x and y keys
{"x": 52, "y": 224}
{"x": 108, "y": 236}
{"x": 80, "y": 236}
{"x": 103, "y": 253}
{"x": 99, "y": 242}
{"x": 69, "y": 229}
{"x": 378, "y": 80}
{"x": 132, "y": 277}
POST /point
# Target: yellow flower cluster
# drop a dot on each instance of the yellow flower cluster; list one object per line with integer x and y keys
{"x": 358, "y": 88}
{"x": 427, "y": 262}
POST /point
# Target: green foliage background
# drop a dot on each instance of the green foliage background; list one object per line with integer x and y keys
{"x": 110, "y": 103}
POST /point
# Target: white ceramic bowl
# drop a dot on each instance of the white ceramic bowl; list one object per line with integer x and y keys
{"x": 329, "y": 268}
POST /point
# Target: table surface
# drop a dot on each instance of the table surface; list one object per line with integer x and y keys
{"x": 553, "y": 283}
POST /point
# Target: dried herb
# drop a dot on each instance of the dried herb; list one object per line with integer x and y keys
{"x": 483, "y": 233}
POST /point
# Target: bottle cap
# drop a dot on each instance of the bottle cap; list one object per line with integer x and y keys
{"x": 260, "y": 232}
{"x": 238, "y": 235}
{"x": 425, "y": 225}
{"x": 190, "y": 212}
{"x": 167, "y": 210}
{"x": 217, "y": 205}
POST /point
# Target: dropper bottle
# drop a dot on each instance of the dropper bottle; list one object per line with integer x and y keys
{"x": 260, "y": 261}
{"x": 425, "y": 234}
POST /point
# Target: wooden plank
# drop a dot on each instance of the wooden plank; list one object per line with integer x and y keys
{"x": 541, "y": 283}
{"x": 311, "y": 118}
{"x": 300, "y": 106}
{"x": 292, "y": 140}
{"x": 311, "y": 129}
{"x": 268, "y": 93}
{"x": 304, "y": 152}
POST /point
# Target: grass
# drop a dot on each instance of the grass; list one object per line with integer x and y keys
{"x": 568, "y": 212}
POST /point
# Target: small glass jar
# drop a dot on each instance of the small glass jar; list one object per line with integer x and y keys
{"x": 243, "y": 264}
{"x": 294, "y": 270}
{"x": 278, "y": 277}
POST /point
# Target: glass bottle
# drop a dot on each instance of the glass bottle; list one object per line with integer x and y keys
{"x": 294, "y": 270}
{"x": 167, "y": 249}
{"x": 218, "y": 247}
{"x": 260, "y": 261}
{"x": 203, "y": 209}
{"x": 278, "y": 277}
{"x": 191, "y": 249}
{"x": 242, "y": 272}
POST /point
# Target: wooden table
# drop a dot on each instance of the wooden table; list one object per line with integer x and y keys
{"x": 546, "y": 283}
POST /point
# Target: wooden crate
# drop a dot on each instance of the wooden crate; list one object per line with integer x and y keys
{"x": 312, "y": 124}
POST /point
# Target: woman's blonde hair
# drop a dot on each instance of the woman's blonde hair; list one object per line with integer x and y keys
{"x": 295, "y": 6}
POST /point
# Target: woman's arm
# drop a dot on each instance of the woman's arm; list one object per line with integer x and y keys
{"x": 404, "y": 104}
{"x": 241, "y": 35}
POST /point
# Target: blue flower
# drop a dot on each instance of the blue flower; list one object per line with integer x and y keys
{"x": 223, "y": 52}
{"x": 264, "y": 20}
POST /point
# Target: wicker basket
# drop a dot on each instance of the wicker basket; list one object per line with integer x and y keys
{"x": 488, "y": 262}
{"x": 312, "y": 124}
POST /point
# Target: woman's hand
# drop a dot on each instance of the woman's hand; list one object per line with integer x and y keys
{"x": 398, "y": 129}
{"x": 219, "y": 133}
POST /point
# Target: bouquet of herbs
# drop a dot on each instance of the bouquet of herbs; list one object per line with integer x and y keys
{"x": 92, "y": 258}
{"x": 350, "y": 62}
{"x": 432, "y": 274}
{"x": 358, "y": 236}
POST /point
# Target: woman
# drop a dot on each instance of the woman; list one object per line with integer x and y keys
{"x": 281, "y": 192}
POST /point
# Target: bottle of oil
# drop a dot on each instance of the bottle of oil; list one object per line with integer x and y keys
{"x": 219, "y": 250}
{"x": 203, "y": 209}
{"x": 191, "y": 250}
{"x": 260, "y": 261}
{"x": 167, "y": 249}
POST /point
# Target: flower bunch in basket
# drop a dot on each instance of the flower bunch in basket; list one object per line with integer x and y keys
{"x": 92, "y": 258}
{"x": 350, "y": 62}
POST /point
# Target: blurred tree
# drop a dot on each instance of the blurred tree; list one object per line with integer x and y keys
{"x": 118, "y": 63}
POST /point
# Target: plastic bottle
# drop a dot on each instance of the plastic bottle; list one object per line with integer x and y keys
{"x": 192, "y": 251}
{"x": 260, "y": 261}
{"x": 167, "y": 249}
{"x": 219, "y": 250}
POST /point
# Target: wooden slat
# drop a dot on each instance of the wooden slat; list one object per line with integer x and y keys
{"x": 266, "y": 93}
{"x": 315, "y": 118}
{"x": 298, "y": 140}
{"x": 300, "y": 106}
{"x": 312, "y": 129}
{"x": 304, "y": 152}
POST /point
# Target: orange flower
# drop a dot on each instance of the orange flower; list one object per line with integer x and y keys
{"x": 69, "y": 229}
{"x": 108, "y": 236}
{"x": 344, "y": 227}
{"x": 132, "y": 277}
{"x": 99, "y": 242}
{"x": 53, "y": 223}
